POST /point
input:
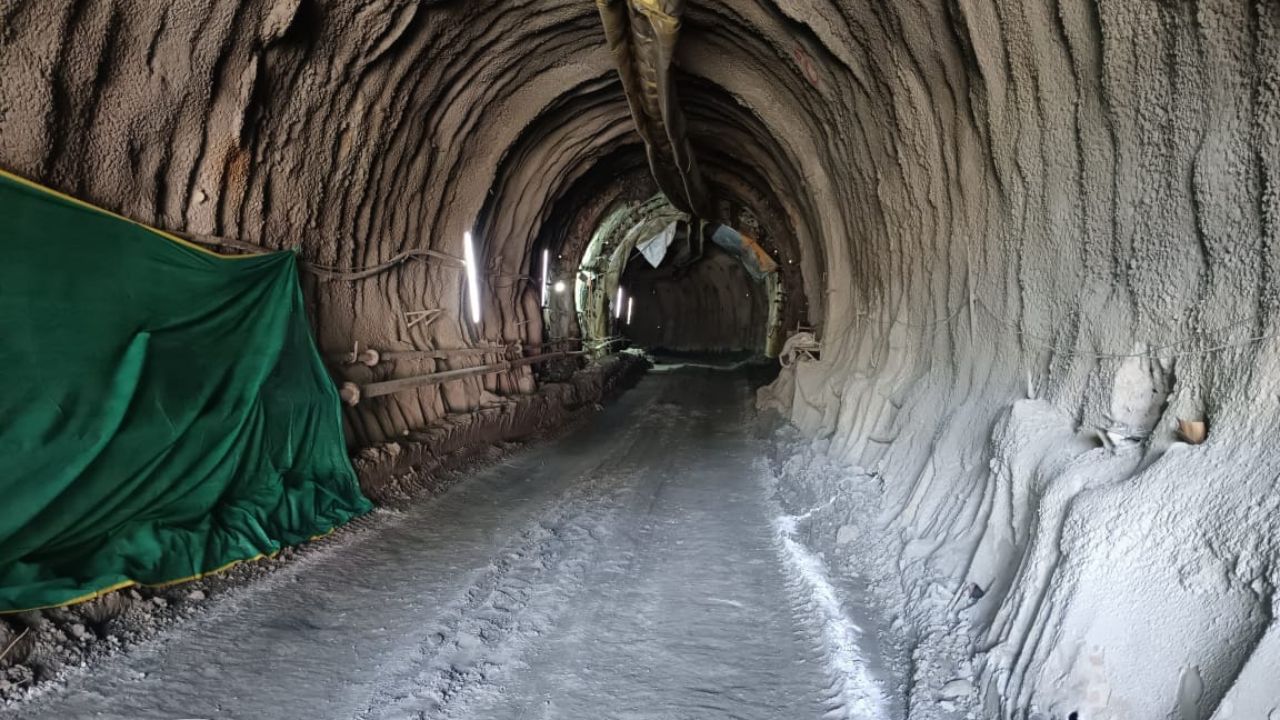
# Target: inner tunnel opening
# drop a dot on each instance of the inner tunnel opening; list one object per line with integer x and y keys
{"x": 648, "y": 263}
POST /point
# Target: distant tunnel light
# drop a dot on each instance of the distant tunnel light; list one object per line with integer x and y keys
{"x": 546, "y": 259}
{"x": 473, "y": 286}
{"x": 559, "y": 286}
{"x": 617, "y": 306}
{"x": 631, "y": 305}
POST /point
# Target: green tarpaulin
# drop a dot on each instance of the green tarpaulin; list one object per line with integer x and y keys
{"x": 164, "y": 411}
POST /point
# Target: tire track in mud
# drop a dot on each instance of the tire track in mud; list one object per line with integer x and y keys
{"x": 693, "y": 610}
{"x": 633, "y": 571}
{"x": 818, "y": 609}
{"x": 528, "y": 587}
{"x": 521, "y": 596}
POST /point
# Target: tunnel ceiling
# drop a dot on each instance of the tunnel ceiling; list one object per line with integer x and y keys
{"x": 1007, "y": 219}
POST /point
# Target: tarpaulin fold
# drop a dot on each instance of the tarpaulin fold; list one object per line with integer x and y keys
{"x": 166, "y": 412}
{"x": 655, "y": 248}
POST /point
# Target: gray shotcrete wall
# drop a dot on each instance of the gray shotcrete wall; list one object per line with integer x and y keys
{"x": 1051, "y": 233}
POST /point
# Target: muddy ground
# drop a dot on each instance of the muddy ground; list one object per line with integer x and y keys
{"x": 39, "y": 646}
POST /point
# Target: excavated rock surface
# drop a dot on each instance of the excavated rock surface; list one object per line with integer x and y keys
{"x": 391, "y": 472}
{"x": 1032, "y": 236}
{"x": 712, "y": 305}
{"x": 1051, "y": 233}
{"x": 351, "y": 130}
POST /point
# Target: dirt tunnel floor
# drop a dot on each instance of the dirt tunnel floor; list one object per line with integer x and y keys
{"x": 636, "y": 569}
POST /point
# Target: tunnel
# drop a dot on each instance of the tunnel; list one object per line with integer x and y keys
{"x": 640, "y": 358}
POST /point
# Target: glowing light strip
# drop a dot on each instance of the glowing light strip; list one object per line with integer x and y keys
{"x": 473, "y": 286}
{"x": 546, "y": 258}
{"x": 617, "y": 307}
{"x": 631, "y": 305}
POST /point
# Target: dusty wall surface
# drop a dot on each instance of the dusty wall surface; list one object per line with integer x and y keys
{"x": 1032, "y": 235}
{"x": 712, "y": 305}
{"x": 1051, "y": 232}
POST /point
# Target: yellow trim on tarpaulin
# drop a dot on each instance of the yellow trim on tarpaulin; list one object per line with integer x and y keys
{"x": 90, "y": 206}
{"x": 76, "y": 601}
{"x": 156, "y": 586}
{"x": 91, "y": 281}
{"x": 186, "y": 243}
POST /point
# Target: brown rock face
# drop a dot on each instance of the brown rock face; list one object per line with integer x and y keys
{"x": 1032, "y": 236}
{"x": 712, "y": 305}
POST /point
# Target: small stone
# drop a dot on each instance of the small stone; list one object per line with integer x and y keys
{"x": 195, "y": 595}
{"x": 77, "y": 631}
{"x": 975, "y": 591}
{"x": 846, "y": 534}
{"x": 955, "y": 689}
{"x": 159, "y": 601}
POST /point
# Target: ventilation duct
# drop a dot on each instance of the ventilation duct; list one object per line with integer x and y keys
{"x": 642, "y": 36}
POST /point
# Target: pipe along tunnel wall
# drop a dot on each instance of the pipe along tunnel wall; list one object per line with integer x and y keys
{"x": 1033, "y": 236}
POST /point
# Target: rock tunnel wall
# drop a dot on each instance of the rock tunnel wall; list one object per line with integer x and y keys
{"x": 351, "y": 131}
{"x": 712, "y": 305}
{"x": 1051, "y": 233}
{"x": 354, "y": 132}
{"x": 1032, "y": 236}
